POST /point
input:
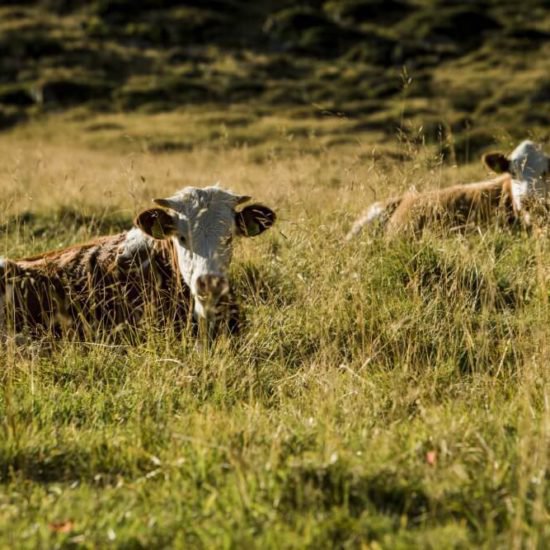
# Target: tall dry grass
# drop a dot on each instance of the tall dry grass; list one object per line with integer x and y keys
{"x": 385, "y": 394}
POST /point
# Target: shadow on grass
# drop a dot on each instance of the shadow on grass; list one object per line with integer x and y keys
{"x": 335, "y": 486}
{"x": 100, "y": 463}
{"x": 71, "y": 219}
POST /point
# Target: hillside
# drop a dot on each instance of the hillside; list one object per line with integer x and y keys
{"x": 460, "y": 74}
{"x": 383, "y": 393}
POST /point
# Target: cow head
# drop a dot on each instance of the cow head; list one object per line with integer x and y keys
{"x": 527, "y": 163}
{"x": 202, "y": 223}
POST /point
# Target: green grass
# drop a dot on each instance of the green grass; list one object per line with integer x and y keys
{"x": 385, "y": 394}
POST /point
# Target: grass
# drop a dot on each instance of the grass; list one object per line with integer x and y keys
{"x": 384, "y": 395}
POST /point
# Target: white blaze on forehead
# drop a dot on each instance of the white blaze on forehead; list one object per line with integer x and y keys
{"x": 204, "y": 209}
{"x": 204, "y": 227}
{"x": 528, "y": 161}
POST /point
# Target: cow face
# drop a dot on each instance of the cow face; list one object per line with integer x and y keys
{"x": 202, "y": 224}
{"x": 527, "y": 163}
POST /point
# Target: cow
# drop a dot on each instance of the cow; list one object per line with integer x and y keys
{"x": 527, "y": 166}
{"x": 458, "y": 206}
{"x": 170, "y": 268}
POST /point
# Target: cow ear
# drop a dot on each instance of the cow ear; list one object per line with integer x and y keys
{"x": 156, "y": 223}
{"x": 254, "y": 219}
{"x": 497, "y": 162}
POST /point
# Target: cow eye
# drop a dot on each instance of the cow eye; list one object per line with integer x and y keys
{"x": 182, "y": 240}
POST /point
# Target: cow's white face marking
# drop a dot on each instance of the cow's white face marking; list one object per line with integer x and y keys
{"x": 202, "y": 224}
{"x": 205, "y": 226}
{"x": 520, "y": 189}
{"x": 527, "y": 163}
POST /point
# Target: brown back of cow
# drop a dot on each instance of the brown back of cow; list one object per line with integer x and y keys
{"x": 96, "y": 287}
{"x": 456, "y": 207}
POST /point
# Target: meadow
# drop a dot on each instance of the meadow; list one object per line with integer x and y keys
{"x": 383, "y": 394}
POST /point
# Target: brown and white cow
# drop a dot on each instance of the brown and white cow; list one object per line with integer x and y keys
{"x": 171, "y": 267}
{"x": 458, "y": 206}
{"x": 525, "y": 175}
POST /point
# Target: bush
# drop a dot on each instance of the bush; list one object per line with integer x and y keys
{"x": 462, "y": 27}
{"x": 308, "y": 31}
{"x": 359, "y": 11}
{"x": 16, "y": 95}
{"x": 65, "y": 92}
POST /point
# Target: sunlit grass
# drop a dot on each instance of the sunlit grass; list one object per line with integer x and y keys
{"x": 389, "y": 393}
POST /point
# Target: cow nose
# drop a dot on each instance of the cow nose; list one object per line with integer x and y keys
{"x": 212, "y": 287}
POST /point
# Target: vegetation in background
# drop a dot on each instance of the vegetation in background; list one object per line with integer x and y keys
{"x": 463, "y": 64}
{"x": 384, "y": 394}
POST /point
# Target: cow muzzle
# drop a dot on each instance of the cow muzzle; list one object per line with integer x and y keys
{"x": 210, "y": 290}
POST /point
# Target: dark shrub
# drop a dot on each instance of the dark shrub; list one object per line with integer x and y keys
{"x": 28, "y": 43}
{"x": 16, "y": 95}
{"x": 463, "y": 27}
{"x": 365, "y": 11}
{"x": 308, "y": 31}
{"x": 64, "y": 92}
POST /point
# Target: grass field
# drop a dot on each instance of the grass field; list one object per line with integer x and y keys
{"x": 383, "y": 395}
